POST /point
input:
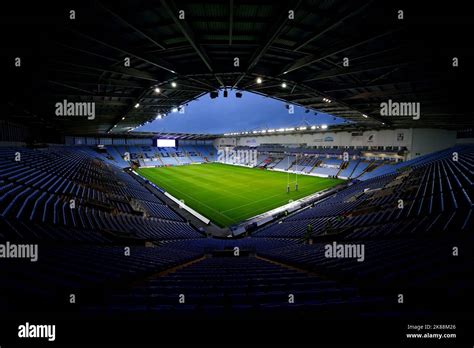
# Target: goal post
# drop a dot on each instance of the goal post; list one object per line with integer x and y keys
{"x": 288, "y": 183}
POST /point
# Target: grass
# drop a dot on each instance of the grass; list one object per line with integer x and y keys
{"x": 228, "y": 194}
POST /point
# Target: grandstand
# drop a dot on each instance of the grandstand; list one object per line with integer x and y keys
{"x": 365, "y": 218}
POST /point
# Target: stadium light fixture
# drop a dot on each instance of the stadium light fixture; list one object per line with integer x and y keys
{"x": 283, "y": 85}
{"x": 137, "y": 105}
{"x": 313, "y": 127}
{"x": 259, "y": 80}
{"x": 158, "y": 117}
{"x": 324, "y": 126}
{"x": 157, "y": 90}
{"x": 365, "y": 115}
{"x": 123, "y": 118}
{"x": 174, "y": 110}
{"x": 174, "y": 84}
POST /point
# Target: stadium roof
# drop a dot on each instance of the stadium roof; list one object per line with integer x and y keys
{"x": 166, "y": 135}
{"x": 83, "y": 60}
{"x": 245, "y": 133}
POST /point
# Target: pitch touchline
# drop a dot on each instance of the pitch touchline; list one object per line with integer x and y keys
{"x": 263, "y": 199}
{"x": 193, "y": 199}
{"x": 233, "y": 194}
{"x": 265, "y": 206}
{"x": 268, "y": 205}
{"x": 228, "y": 191}
{"x": 221, "y": 213}
{"x": 237, "y": 207}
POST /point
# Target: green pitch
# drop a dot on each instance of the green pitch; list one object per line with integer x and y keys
{"x": 228, "y": 194}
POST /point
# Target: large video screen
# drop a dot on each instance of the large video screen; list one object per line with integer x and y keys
{"x": 166, "y": 142}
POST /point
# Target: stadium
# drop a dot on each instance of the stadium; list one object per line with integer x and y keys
{"x": 342, "y": 194}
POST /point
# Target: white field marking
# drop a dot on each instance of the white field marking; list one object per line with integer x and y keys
{"x": 221, "y": 213}
{"x": 252, "y": 202}
{"x": 230, "y": 187}
{"x": 263, "y": 199}
{"x": 213, "y": 185}
{"x": 233, "y": 194}
{"x": 246, "y": 184}
{"x": 245, "y": 197}
{"x": 194, "y": 199}
{"x": 268, "y": 205}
